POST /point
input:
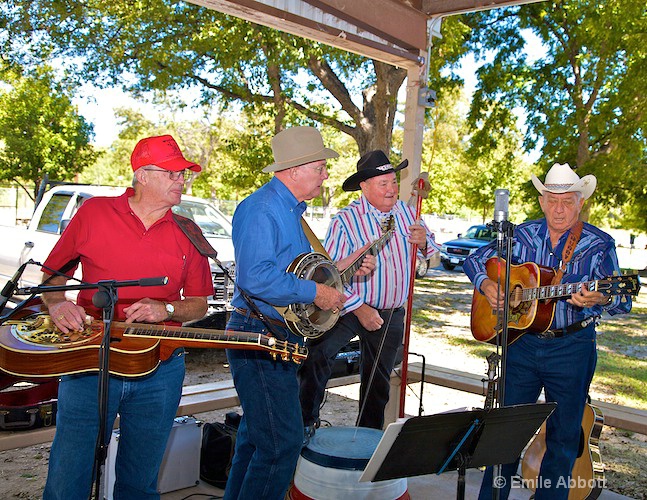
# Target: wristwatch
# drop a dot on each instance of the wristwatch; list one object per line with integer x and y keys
{"x": 170, "y": 310}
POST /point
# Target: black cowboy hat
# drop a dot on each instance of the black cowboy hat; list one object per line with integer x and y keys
{"x": 372, "y": 164}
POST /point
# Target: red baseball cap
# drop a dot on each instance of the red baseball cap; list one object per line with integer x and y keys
{"x": 162, "y": 151}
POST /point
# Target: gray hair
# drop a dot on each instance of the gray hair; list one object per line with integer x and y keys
{"x": 135, "y": 181}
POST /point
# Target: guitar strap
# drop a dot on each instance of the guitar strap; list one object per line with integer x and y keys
{"x": 194, "y": 233}
{"x": 567, "y": 252}
{"x": 314, "y": 241}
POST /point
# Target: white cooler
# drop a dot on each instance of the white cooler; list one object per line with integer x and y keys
{"x": 180, "y": 465}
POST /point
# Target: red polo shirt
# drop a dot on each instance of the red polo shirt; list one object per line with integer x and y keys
{"x": 113, "y": 244}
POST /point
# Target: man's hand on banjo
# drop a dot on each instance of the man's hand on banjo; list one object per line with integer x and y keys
{"x": 368, "y": 263}
{"x": 329, "y": 299}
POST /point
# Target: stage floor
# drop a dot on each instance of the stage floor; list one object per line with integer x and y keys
{"x": 429, "y": 487}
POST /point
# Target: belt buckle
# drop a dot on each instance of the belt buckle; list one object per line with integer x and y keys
{"x": 548, "y": 334}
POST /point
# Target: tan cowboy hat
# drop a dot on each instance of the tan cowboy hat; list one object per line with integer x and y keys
{"x": 562, "y": 179}
{"x": 297, "y": 146}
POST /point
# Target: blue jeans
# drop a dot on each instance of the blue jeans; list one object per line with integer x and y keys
{"x": 563, "y": 367}
{"x": 146, "y": 407}
{"x": 270, "y": 433}
{"x": 316, "y": 369}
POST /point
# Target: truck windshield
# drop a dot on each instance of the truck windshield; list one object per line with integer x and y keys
{"x": 210, "y": 220}
{"x": 50, "y": 220}
{"x": 480, "y": 233}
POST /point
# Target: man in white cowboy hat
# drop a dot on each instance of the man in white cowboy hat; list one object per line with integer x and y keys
{"x": 562, "y": 360}
{"x": 374, "y": 304}
{"x": 268, "y": 236}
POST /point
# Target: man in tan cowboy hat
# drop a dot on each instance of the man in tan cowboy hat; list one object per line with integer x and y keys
{"x": 268, "y": 236}
{"x": 561, "y": 360}
{"x": 374, "y": 307}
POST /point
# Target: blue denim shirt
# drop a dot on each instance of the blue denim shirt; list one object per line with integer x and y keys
{"x": 594, "y": 258}
{"x": 268, "y": 236}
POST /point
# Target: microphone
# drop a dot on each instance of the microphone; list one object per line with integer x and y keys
{"x": 162, "y": 280}
{"x": 501, "y": 201}
{"x": 11, "y": 285}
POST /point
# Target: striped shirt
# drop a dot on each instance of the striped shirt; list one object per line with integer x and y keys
{"x": 361, "y": 223}
{"x": 594, "y": 258}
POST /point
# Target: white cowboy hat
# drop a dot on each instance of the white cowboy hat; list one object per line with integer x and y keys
{"x": 562, "y": 179}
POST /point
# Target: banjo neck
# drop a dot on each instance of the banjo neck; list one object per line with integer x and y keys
{"x": 374, "y": 249}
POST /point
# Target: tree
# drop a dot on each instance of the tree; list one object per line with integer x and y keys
{"x": 584, "y": 99}
{"x": 41, "y": 132}
{"x": 163, "y": 44}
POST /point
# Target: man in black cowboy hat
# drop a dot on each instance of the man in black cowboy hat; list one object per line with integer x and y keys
{"x": 374, "y": 303}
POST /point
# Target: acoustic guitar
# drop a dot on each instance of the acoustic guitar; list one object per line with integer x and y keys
{"x": 33, "y": 347}
{"x": 587, "y": 476}
{"x": 531, "y": 291}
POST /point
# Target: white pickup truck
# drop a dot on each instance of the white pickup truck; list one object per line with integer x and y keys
{"x": 58, "y": 206}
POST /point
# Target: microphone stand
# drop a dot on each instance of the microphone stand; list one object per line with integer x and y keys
{"x": 106, "y": 299}
{"x": 505, "y": 240}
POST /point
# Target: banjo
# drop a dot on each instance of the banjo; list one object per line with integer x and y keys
{"x": 308, "y": 320}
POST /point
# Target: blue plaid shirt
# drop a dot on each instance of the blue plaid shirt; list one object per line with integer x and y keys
{"x": 594, "y": 258}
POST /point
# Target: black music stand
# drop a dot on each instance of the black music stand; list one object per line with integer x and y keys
{"x": 455, "y": 441}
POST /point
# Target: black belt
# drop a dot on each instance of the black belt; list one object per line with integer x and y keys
{"x": 251, "y": 314}
{"x": 562, "y": 332}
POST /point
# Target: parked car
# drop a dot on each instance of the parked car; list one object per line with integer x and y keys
{"x": 454, "y": 252}
{"x": 58, "y": 205}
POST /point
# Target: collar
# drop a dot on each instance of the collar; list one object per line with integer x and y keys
{"x": 122, "y": 205}
{"x": 287, "y": 197}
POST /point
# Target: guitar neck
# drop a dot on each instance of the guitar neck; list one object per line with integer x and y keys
{"x": 181, "y": 333}
{"x": 559, "y": 290}
{"x": 375, "y": 247}
{"x": 232, "y": 340}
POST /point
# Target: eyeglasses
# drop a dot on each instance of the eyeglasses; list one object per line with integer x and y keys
{"x": 174, "y": 176}
{"x": 319, "y": 169}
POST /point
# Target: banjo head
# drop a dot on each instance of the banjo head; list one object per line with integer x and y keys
{"x": 313, "y": 321}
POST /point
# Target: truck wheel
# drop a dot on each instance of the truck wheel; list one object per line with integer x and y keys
{"x": 448, "y": 266}
{"x": 422, "y": 265}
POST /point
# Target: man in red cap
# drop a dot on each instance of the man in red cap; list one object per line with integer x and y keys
{"x": 128, "y": 237}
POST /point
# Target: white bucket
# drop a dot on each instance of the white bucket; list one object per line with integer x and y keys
{"x": 330, "y": 466}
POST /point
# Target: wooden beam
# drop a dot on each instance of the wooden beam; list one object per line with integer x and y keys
{"x": 317, "y": 30}
{"x": 621, "y": 417}
{"x": 376, "y": 17}
{"x": 434, "y": 8}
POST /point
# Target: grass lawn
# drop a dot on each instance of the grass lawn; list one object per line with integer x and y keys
{"x": 441, "y": 316}
{"x": 442, "y": 311}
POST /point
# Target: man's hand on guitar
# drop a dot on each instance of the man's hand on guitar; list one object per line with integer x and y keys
{"x": 368, "y": 263}
{"x": 329, "y": 299}
{"x": 490, "y": 290}
{"x": 585, "y": 299}
{"x": 67, "y": 316}
{"x": 369, "y": 317}
{"x": 146, "y": 311}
